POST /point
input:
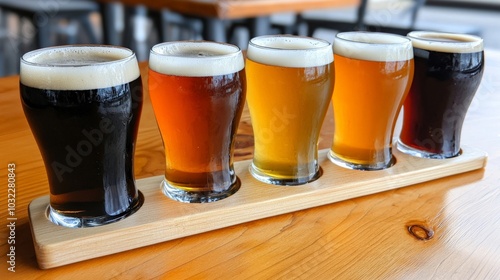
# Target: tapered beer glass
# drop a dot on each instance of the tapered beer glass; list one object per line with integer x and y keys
{"x": 374, "y": 72}
{"x": 448, "y": 71}
{"x": 83, "y": 104}
{"x": 290, "y": 84}
{"x": 198, "y": 89}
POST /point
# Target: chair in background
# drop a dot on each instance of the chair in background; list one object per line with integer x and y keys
{"x": 52, "y": 17}
{"x": 392, "y": 16}
{"x": 174, "y": 26}
{"x": 42, "y": 24}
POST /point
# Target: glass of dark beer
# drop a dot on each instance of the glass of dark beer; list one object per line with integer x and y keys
{"x": 197, "y": 90}
{"x": 448, "y": 71}
{"x": 83, "y": 104}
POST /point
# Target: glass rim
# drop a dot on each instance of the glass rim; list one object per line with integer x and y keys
{"x": 345, "y": 36}
{"x": 277, "y": 50}
{"x": 196, "y": 58}
{"x": 447, "y": 35}
{"x": 254, "y": 43}
{"x": 237, "y": 50}
{"x": 373, "y": 46}
{"x": 446, "y": 41}
{"x": 24, "y": 58}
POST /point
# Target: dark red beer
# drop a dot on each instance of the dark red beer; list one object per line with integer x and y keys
{"x": 448, "y": 71}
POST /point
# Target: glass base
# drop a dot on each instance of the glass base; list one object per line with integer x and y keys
{"x": 83, "y": 222}
{"x": 367, "y": 167}
{"x": 198, "y": 197}
{"x": 423, "y": 154}
{"x": 263, "y": 177}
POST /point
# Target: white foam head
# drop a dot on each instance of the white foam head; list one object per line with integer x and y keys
{"x": 196, "y": 58}
{"x": 373, "y": 46}
{"x": 290, "y": 51}
{"x": 78, "y": 67}
{"x": 446, "y": 42}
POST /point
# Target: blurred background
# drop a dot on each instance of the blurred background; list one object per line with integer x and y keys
{"x": 29, "y": 24}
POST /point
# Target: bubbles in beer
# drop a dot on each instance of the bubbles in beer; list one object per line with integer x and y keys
{"x": 290, "y": 51}
{"x": 196, "y": 59}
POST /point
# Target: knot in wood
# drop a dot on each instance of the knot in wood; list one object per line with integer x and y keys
{"x": 421, "y": 232}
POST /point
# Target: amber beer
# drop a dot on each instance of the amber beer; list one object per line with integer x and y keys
{"x": 373, "y": 75}
{"x": 448, "y": 71}
{"x": 83, "y": 105}
{"x": 198, "y": 91}
{"x": 290, "y": 84}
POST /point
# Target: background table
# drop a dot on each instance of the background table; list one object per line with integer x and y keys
{"x": 442, "y": 229}
{"x": 216, "y": 12}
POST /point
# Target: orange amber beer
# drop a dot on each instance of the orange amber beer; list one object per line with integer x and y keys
{"x": 197, "y": 89}
{"x": 290, "y": 84}
{"x": 374, "y": 72}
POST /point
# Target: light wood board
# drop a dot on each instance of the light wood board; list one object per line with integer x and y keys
{"x": 161, "y": 219}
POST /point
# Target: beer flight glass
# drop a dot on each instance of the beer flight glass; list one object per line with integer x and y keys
{"x": 448, "y": 71}
{"x": 198, "y": 91}
{"x": 290, "y": 84}
{"x": 83, "y": 104}
{"x": 374, "y": 72}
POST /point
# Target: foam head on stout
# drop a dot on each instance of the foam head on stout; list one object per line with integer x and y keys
{"x": 198, "y": 90}
{"x": 446, "y": 42}
{"x": 83, "y": 104}
{"x": 78, "y": 68}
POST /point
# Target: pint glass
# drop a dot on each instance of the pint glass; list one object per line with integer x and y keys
{"x": 290, "y": 84}
{"x": 198, "y": 89}
{"x": 83, "y": 105}
{"x": 448, "y": 71}
{"x": 374, "y": 72}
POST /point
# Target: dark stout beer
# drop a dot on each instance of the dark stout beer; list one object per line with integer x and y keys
{"x": 84, "y": 112}
{"x": 448, "y": 71}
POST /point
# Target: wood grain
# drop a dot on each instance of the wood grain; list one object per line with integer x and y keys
{"x": 161, "y": 219}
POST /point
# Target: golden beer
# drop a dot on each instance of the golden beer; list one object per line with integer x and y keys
{"x": 374, "y": 72}
{"x": 290, "y": 83}
{"x": 198, "y": 91}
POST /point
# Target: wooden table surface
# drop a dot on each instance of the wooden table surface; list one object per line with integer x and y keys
{"x": 455, "y": 220}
